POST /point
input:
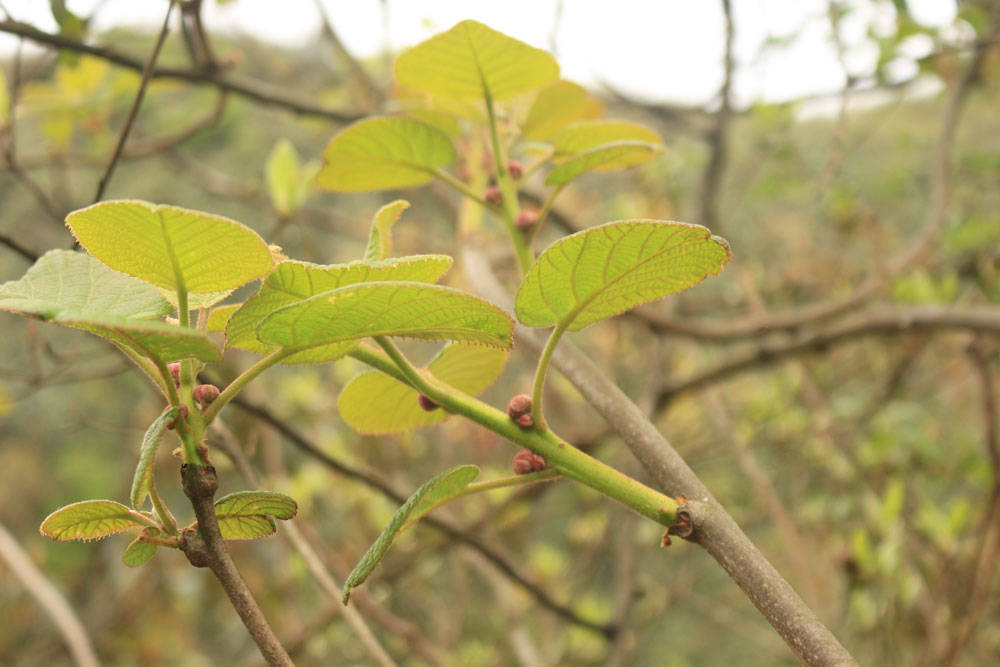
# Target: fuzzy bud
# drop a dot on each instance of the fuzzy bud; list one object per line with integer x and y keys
{"x": 182, "y": 415}
{"x": 526, "y": 421}
{"x": 493, "y": 196}
{"x": 515, "y": 169}
{"x": 526, "y": 461}
{"x": 526, "y": 219}
{"x": 426, "y": 404}
{"x": 175, "y": 372}
{"x": 518, "y": 406}
{"x": 206, "y": 394}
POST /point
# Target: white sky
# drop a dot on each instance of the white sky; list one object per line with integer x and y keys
{"x": 660, "y": 50}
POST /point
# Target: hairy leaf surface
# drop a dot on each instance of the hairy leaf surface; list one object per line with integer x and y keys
{"x": 142, "y": 481}
{"x": 91, "y": 520}
{"x": 432, "y": 492}
{"x": 606, "y": 157}
{"x": 586, "y": 135}
{"x": 377, "y": 403}
{"x": 382, "y": 153}
{"x": 380, "y": 239}
{"x": 170, "y": 246}
{"x": 246, "y": 515}
{"x": 605, "y": 270}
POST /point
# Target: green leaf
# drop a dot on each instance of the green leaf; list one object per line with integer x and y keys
{"x": 383, "y": 153}
{"x": 137, "y": 553}
{"x": 247, "y": 515}
{"x": 472, "y": 60}
{"x": 433, "y": 491}
{"x": 269, "y": 503}
{"x": 288, "y": 181}
{"x": 377, "y": 403}
{"x": 380, "y": 239}
{"x": 605, "y": 270}
{"x": 291, "y": 282}
{"x": 142, "y": 481}
{"x": 451, "y": 485}
{"x": 416, "y": 310}
{"x": 170, "y": 246}
{"x": 91, "y": 520}
{"x": 584, "y": 136}
{"x": 75, "y": 290}
{"x": 607, "y": 157}
{"x": 219, "y": 317}
{"x": 557, "y": 106}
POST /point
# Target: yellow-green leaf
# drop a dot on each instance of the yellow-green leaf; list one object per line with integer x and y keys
{"x": 380, "y": 239}
{"x": 75, "y": 290}
{"x": 294, "y": 281}
{"x": 557, "y": 106}
{"x": 431, "y": 493}
{"x": 586, "y": 135}
{"x": 219, "y": 317}
{"x": 606, "y": 157}
{"x": 416, "y": 310}
{"x": 246, "y": 515}
{"x": 377, "y": 403}
{"x": 143, "y": 483}
{"x": 91, "y": 520}
{"x": 471, "y": 61}
{"x": 383, "y": 153}
{"x": 288, "y": 181}
{"x": 606, "y": 270}
{"x": 138, "y": 552}
{"x": 170, "y": 246}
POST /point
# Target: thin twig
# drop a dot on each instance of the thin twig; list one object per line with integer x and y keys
{"x": 147, "y": 71}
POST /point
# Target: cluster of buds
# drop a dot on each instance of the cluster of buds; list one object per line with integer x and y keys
{"x": 426, "y": 404}
{"x": 519, "y": 409}
{"x": 526, "y": 461}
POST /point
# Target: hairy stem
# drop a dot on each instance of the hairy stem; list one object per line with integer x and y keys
{"x": 540, "y": 374}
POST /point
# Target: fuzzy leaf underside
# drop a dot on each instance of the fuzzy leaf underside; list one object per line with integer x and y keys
{"x": 343, "y": 316}
{"x": 583, "y": 136}
{"x": 75, "y": 290}
{"x": 471, "y": 60}
{"x": 557, "y": 106}
{"x": 376, "y": 403}
{"x": 247, "y": 515}
{"x": 606, "y": 270}
{"x": 605, "y": 157}
{"x": 380, "y": 239}
{"x": 170, "y": 246}
{"x": 138, "y": 553}
{"x": 90, "y": 520}
{"x": 142, "y": 481}
{"x": 433, "y": 491}
{"x": 382, "y": 153}
{"x": 292, "y": 282}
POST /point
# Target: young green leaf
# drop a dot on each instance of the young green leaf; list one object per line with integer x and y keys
{"x": 91, "y": 520}
{"x": 383, "y": 153}
{"x": 606, "y": 157}
{"x": 380, "y": 239}
{"x": 416, "y": 310}
{"x": 171, "y": 247}
{"x": 219, "y": 317}
{"x": 75, "y": 290}
{"x": 376, "y": 403}
{"x": 288, "y": 181}
{"x": 432, "y": 492}
{"x": 605, "y": 270}
{"x": 557, "y": 106}
{"x": 291, "y": 282}
{"x": 142, "y": 482}
{"x": 584, "y": 136}
{"x": 247, "y": 515}
{"x": 137, "y": 553}
{"x": 472, "y": 60}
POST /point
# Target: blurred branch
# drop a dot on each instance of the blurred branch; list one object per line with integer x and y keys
{"x": 718, "y": 135}
{"x": 453, "y": 532}
{"x": 50, "y": 599}
{"x": 887, "y": 322}
{"x": 373, "y": 92}
{"x": 133, "y": 112}
{"x": 254, "y": 90}
{"x": 16, "y": 246}
{"x": 710, "y": 525}
{"x": 138, "y": 148}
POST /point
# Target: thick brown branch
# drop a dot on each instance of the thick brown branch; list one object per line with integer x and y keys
{"x": 205, "y": 547}
{"x": 254, "y": 90}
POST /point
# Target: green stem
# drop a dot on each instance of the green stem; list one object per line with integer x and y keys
{"x": 166, "y": 518}
{"x": 241, "y": 381}
{"x": 511, "y": 206}
{"x": 540, "y": 372}
{"x": 563, "y": 457}
{"x": 462, "y": 188}
{"x": 161, "y": 541}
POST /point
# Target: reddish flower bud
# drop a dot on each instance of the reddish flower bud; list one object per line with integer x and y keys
{"x": 182, "y": 415}
{"x": 206, "y": 393}
{"x": 426, "y": 403}
{"x": 515, "y": 169}
{"x": 518, "y": 406}
{"x": 526, "y": 421}
{"x": 493, "y": 196}
{"x": 526, "y": 461}
{"x": 526, "y": 219}
{"x": 175, "y": 372}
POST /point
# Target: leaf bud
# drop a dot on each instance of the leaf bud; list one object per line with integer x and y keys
{"x": 205, "y": 394}
{"x": 526, "y": 461}
{"x": 426, "y": 404}
{"x": 175, "y": 372}
{"x": 515, "y": 169}
{"x": 526, "y": 421}
{"x": 493, "y": 196}
{"x": 526, "y": 219}
{"x": 518, "y": 406}
{"x": 182, "y": 415}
